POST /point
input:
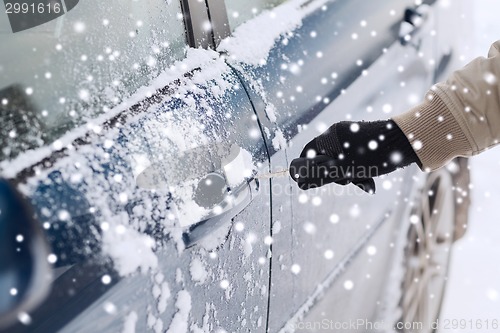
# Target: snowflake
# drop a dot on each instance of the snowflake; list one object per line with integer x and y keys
{"x": 387, "y": 185}
{"x": 309, "y": 228}
{"x": 348, "y": 285}
{"x": 417, "y": 145}
{"x": 52, "y": 258}
{"x": 329, "y": 254}
{"x": 106, "y": 279}
{"x": 387, "y": 108}
{"x": 63, "y": 215}
{"x": 490, "y": 78}
{"x": 79, "y": 27}
{"x": 334, "y": 219}
{"x": 371, "y": 250}
{"x": 396, "y": 157}
{"x": 354, "y": 127}
{"x": 295, "y": 269}
{"x": 373, "y": 145}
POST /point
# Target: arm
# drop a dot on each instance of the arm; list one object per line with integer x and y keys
{"x": 458, "y": 117}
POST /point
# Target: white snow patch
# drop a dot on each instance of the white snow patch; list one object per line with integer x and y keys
{"x": 206, "y": 324}
{"x": 237, "y": 166}
{"x": 130, "y": 321}
{"x": 150, "y": 319}
{"x": 158, "y": 326}
{"x": 252, "y": 41}
{"x": 180, "y": 323}
{"x": 216, "y": 238}
{"x": 268, "y": 132}
{"x": 179, "y": 277}
{"x": 130, "y": 250}
{"x": 279, "y": 141}
{"x": 188, "y": 211}
{"x": 198, "y": 271}
{"x": 246, "y": 247}
{"x": 195, "y": 58}
{"x": 271, "y": 112}
{"x": 164, "y": 296}
{"x": 276, "y": 227}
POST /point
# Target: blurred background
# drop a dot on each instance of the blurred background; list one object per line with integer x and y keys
{"x": 473, "y": 291}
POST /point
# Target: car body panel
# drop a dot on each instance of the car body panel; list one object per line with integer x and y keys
{"x": 326, "y": 223}
{"x": 94, "y": 193}
{"x": 128, "y": 178}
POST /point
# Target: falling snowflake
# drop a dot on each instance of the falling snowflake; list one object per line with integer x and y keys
{"x": 329, "y": 254}
{"x": 371, "y": 250}
{"x": 334, "y": 218}
{"x": 309, "y": 228}
{"x": 490, "y": 78}
{"x": 373, "y": 145}
{"x": 295, "y": 269}
{"x": 386, "y": 184}
{"x": 417, "y": 145}
{"x": 79, "y": 27}
{"x": 224, "y": 284}
{"x": 354, "y": 127}
{"x": 348, "y": 285}
{"x": 106, "y": 279}
{"x": 52, "y": 258}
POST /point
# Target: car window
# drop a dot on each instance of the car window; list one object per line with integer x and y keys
{"x": 333, "y": 46}
{"x": 61, "y": 74}
{"x": 240, "y": 11}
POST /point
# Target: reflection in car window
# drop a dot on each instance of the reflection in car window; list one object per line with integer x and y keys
{"x": 61, "y": 74}
{"x": 240, "y": 11}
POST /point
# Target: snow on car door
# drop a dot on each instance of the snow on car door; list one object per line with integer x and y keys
{"x": 200, "y": 142}
{"x": 175, "y": 176}
{"x": 151, "y": 208}
{"x": 311, "y": 52}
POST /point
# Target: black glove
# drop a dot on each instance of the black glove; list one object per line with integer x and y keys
{"x": 353, "y": 152}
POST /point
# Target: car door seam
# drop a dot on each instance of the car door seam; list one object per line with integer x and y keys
{"x": 333, "y": 275}
{"x": 270, "y": 194}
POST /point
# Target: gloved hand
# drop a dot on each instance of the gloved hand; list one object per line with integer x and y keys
{"x": 353, "y": 152}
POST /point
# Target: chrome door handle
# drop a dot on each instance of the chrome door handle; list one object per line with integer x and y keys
{"x": 413, "y": 20}
{"x": 239, "y": 199}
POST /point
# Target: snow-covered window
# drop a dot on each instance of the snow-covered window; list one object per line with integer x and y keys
{"x": 60, "y": 74}
{"x": 240, "y": 11}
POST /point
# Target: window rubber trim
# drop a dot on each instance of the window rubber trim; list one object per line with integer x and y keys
{"x": 198, "y": 24}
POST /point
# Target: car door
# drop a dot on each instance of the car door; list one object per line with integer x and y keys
{"x": 341, "y": 61}
{"x": 144, "y": 185}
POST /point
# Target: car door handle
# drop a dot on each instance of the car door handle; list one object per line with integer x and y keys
{"x": 413, "y": 20}
{"x": 237, "y": 200}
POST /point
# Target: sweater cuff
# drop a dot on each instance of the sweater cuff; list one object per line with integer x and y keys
{"x": 434, "y": 133}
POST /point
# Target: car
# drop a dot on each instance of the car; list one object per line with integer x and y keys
{"x": 142, "y": 149}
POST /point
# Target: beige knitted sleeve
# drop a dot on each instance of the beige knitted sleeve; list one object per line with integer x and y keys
{"x": 458, "y": 117}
